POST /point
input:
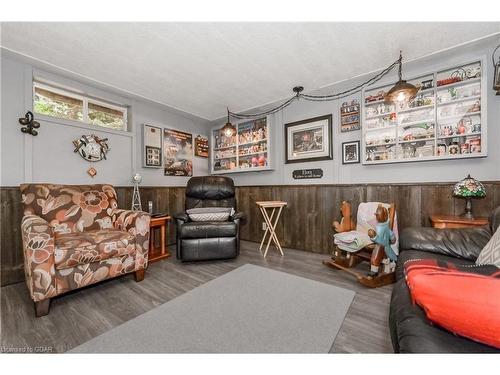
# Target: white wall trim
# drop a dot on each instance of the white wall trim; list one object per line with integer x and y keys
{"x": 28, "y": 138}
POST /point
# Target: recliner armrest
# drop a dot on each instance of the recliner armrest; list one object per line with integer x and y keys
{"x": 238, "y": 216}
{"x": 465, "y": 243}
{"x": 182, "y": 216}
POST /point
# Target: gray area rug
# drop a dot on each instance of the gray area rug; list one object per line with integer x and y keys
{"x": 248, "y": 310}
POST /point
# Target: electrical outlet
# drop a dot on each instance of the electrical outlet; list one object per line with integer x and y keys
{"x": 264, "y": 225}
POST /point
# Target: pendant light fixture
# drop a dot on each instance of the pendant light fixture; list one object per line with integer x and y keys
{"x": 229, "y": 129}
{"x": 496, "y": 75}
{"x": 402, "y": 90}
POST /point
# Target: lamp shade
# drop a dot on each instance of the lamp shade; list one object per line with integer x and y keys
{"x": 469, "y": 187}
{"x": 229, "y": 129}
{"x": 401, "y": 92}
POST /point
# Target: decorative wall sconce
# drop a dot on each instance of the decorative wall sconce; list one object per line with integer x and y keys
{"x": 496, "y": 75}
{"x": 29, "y": 124}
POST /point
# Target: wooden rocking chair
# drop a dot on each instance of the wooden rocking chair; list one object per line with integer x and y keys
{"x": 373, "y": 253}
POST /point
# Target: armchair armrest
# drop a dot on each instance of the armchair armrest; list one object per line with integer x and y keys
{"x": 39, "y": 257}
{"x": 137, "y": 224}
{"x": 465, "y": 243}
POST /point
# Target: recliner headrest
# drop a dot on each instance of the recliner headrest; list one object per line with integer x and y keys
{"x": 210, "y": 187}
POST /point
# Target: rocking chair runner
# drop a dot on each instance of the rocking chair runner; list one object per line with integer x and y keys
{"x": 346, "y": 258}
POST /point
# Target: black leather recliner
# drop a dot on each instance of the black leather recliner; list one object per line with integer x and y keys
{"x": 213, "y": 239}
{"x": 411, "y": 331}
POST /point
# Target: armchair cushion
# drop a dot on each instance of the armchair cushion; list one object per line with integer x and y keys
{"x": 207, "y": 229}
{"x": 210, "y": 213}
{"x": 491, "y": 252}
{"x": 73, "y": 249}
{"x": 465, "y": 243}
{"x": 71, "y": 208}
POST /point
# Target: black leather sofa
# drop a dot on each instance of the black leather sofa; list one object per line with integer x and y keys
{"x": 411, "y": 331}
{"x": 208, "y": 240}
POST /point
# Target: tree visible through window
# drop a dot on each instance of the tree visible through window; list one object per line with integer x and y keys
{"x": 64, "y": 104}
{"x": 105, "y": 116}
{"x": 56, "y": 105}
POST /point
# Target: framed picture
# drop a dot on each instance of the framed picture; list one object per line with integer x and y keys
{"x": 349, "y": 116}
{"x": 178, "y": 151}
{"x": 151, "y": 139}
{"x": 309, "y": 140}
{"x": 153, "y": 156}
{"x": 201, "y": 146}
{"x": 350, "y": 152}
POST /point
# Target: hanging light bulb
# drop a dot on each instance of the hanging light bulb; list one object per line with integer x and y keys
{"x": 402, "y": 90}
{"x": 229, "y": 129}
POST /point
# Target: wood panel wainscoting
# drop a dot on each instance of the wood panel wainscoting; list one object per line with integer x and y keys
{"x": 305, "y": 223}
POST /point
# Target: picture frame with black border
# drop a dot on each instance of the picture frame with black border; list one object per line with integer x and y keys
{"x": 309, "y": 140}
{"x": 351, "y": 152}
{"x": 153, "y": 156}
{"x": 152, "y": 141}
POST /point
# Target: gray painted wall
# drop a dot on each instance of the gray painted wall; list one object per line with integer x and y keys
{"x": 49, "y": 157}
{"x": 336, "y": 173}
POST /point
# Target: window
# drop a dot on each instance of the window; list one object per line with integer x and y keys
{"x": 105, "y": 115}
{"x": 55, "y": 102}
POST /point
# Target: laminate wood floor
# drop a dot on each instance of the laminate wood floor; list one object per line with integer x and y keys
{"x": 81, "y": 315}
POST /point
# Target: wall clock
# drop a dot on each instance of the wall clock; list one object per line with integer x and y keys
{"x": 91, "y": 147}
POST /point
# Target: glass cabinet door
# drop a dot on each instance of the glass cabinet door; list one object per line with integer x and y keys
{"x": 247, "y": 150}
{"x": 442, "y": 121}
{"x": 459, "y": 110}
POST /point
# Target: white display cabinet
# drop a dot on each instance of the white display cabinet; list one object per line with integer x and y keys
{"x": 247, "y": 151}
{"x": 446, "y": 120}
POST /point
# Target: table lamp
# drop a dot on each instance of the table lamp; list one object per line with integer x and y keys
{"x": 467, "y": 189}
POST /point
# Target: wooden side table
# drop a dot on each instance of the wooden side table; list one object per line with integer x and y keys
{"x": 158, "y": 224}
{"x": 448, "y": 221}
{"x": 270, "y": 224}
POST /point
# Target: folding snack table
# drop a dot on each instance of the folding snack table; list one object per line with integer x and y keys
{"x": 270, "y": 224}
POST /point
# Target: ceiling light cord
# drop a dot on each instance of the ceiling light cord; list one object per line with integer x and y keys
{"x": 322, "y": 98}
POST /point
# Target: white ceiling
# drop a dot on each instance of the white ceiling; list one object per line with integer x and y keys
{"x": 201, "y": 68}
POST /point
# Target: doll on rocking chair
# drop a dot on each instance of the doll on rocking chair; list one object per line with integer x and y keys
{"x": 384, "y": 236}
{"x": 372, "y": 238}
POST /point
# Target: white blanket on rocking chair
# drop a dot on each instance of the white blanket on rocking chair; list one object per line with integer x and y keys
{"x": 352, "y": 241}
{"x": 355, "y": 240}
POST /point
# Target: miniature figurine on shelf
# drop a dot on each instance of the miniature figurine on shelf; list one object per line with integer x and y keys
{"x": 384, "y": 237}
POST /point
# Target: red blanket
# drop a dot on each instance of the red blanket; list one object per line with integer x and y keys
{"x": 462, "y": 299}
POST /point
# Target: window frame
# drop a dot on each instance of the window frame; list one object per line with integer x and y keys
{"x": 85, "y": 100}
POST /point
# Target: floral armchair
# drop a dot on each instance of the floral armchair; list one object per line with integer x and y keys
{"x": 74, "y": 236}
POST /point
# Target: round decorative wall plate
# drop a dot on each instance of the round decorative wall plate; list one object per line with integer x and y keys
{"x": 91, "y": 147}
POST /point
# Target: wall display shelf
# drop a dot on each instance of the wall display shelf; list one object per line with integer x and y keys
{"x": 246, "y": 151}
{"x": 446, "y": 120}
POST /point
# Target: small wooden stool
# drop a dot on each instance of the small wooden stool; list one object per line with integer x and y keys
{"x": 157, "y": 253}
{"x": 270, "y": 226}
